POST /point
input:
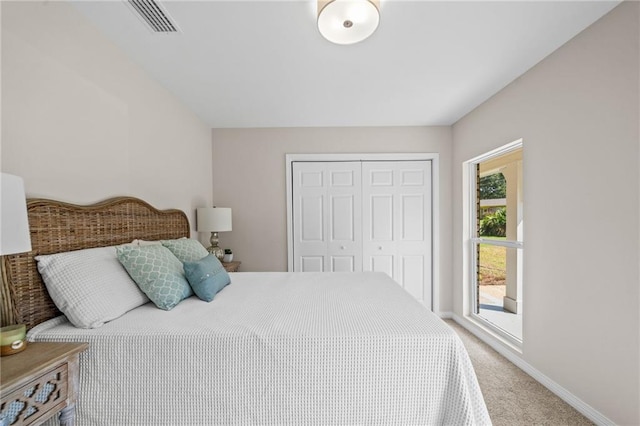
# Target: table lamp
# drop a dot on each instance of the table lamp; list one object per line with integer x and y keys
{"x": 214, "y": 220}
{"x": 14, "y": 238}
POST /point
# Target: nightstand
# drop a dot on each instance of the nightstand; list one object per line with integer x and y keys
{"x": 231, "y": 266}
{"x": 40, "y": 382}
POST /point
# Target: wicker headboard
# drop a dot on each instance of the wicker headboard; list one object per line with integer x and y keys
{"x": 58, "y": 227}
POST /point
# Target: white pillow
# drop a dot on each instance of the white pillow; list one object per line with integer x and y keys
{"x": 89, "y": 286}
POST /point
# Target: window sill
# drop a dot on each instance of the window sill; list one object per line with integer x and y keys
{"x": 494, "y": 337}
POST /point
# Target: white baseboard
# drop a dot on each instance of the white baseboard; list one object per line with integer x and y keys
{"x": 445, "y": 315}
{"x": 581, "y": 406}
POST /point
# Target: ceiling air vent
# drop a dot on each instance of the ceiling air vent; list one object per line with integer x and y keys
{"x": 153, "y": 14}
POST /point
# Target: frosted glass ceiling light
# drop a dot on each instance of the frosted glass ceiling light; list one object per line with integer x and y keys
{"x": 347, "y": 21}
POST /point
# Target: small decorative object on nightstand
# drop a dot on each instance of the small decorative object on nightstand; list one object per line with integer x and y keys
{"x": 39, "y": 382}
{"x": 228, "y": 256}
{"x": 13, "y": 339}
{"x": 214, "y": 220}
{"x": 231, "y": 266}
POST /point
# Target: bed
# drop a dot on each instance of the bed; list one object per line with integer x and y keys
{"x": 271, "y": 348}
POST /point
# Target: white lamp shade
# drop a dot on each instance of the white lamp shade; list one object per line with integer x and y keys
{"x": 14, "y": 223}
{"x": 213, "y": 219}
{"x": 347, "y": 21}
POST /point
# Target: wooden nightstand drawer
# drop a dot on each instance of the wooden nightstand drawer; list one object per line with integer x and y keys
{"x": 45, "y": 394}
{"x": 231, "y": 266}
{"x": 40, "y": 382}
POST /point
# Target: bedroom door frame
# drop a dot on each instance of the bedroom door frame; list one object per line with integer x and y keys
{"x": 434, "y": 158}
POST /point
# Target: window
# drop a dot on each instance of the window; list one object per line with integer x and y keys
{"x": 496, "y": 240}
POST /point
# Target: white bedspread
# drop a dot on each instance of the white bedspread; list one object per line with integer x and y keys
{"x": 277, "y": 349}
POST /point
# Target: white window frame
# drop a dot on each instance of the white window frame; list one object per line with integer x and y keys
{"x": 474, "y": 242}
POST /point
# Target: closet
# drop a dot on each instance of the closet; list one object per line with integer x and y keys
{"x": 364, "y": 215}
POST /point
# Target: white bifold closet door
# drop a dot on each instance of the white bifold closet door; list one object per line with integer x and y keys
{"x": 396, "y": 222}
{"x": 365, "y": 216}
{"x": 327, "y": 216}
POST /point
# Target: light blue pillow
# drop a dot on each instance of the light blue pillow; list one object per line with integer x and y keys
{"x": 157, "y": 272}
{"x": 207, "y": 277}
{"x": 186, "y": 250}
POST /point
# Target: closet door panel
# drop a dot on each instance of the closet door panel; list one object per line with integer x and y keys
{"x": 327, "y": 216}
{"x": 381, "y": 217}
{"x": 342, "y": 218}
{"x": 342, "y": 263}
{"x": 309, "y": 206}
{"x": 397, "y": 223}
{"x": 344, "y": 236}
{"x": 312, "y": 218}
{"x": 311, "y": 264}
{"x": 381, "y": 264}
{"x": 412, "y": 269}
{"x": 412, "y": 219}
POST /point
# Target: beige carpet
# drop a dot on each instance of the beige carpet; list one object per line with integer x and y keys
{"x": 512, "y": 396}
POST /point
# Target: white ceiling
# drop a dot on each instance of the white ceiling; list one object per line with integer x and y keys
{"x": 264, "y": 63}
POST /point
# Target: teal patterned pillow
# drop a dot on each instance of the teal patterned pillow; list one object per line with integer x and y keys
{"x": 207, "y": 277}
{"x": 157, "y": 272}
{"x": 186, "y": 250}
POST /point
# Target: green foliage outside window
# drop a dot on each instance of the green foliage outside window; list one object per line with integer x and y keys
{"x": 493, "y": 186}
{"x": 494, "y": 225}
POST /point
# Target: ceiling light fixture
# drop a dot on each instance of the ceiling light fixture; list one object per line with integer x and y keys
{"x": 348, "y": 21}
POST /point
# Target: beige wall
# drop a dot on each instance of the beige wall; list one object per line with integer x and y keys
{"x": 249, "y": 176}
{"x": 578, "y": 113}
{"x": 81, "y": 122}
